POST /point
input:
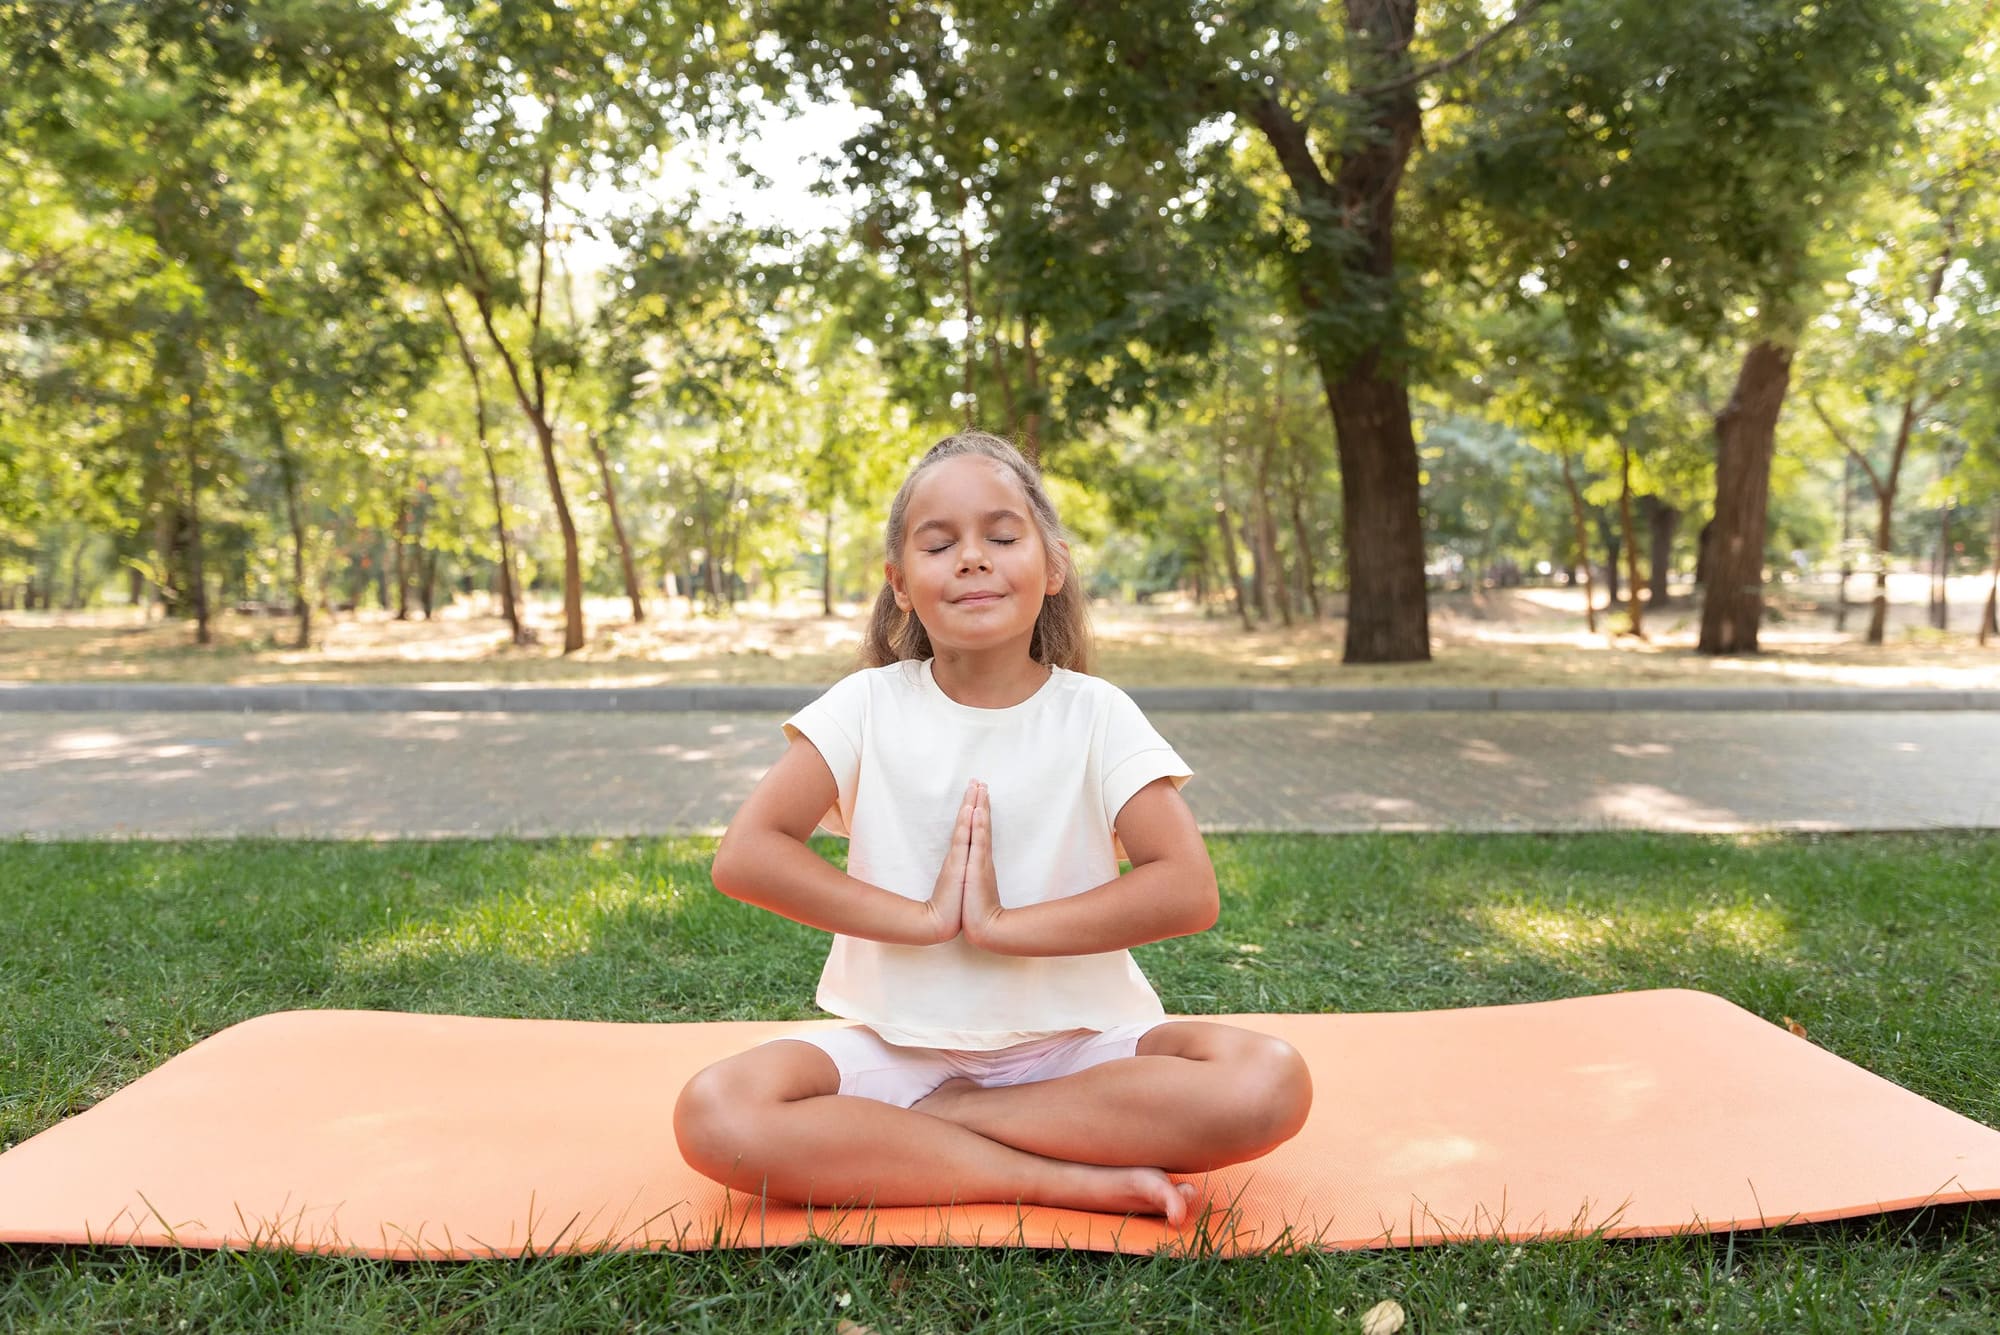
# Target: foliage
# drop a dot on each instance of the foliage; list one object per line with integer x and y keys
{"x": 228, "y": 236}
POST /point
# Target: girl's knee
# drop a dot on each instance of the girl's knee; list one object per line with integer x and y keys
{"x": 719, "y": 1116}
{"x": 707, "y": 1121}
{"x": 1283, "y": 1083}
{"x": 1272, "y": 1091}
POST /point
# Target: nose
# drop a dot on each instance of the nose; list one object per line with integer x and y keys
{"x": 972, "y": 555}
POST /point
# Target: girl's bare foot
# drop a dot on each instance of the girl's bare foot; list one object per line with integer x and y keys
{"x": 1080, "y": 1186}
{"x": 1084, "y": 1186}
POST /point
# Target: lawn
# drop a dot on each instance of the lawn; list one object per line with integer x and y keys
{"x": 121, "y": 955}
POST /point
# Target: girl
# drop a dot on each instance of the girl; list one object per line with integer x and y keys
{"x": 1006, "y": 1047}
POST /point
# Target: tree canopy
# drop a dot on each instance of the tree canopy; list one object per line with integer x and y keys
{"x": 1312, "y": 308}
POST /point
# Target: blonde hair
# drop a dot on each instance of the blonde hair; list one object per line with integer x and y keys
{"x": 1062, "y": 630}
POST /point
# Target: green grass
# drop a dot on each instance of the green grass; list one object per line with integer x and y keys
{"x": 116, "y": 957}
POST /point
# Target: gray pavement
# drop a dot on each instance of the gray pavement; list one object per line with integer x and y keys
{"x": 381, "y": 774}
{"x": 329, "y": 698}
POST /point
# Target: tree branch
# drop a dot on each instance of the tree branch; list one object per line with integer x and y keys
{"x": 1840, "y": 437}
{"x": 541, "y": 285}
{"x": 1936, "y": 397}
{"x": 1289, "y": 141}
{"x": 1438, "y": 67}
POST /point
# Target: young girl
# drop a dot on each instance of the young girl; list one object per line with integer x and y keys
{"x": 1005, "y": 1046}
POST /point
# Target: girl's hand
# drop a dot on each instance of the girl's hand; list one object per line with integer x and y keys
{"x": 947, "y": 902}
{"x": 982, "y": 911}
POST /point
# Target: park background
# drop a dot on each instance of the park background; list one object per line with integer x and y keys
{"x": 1586, "y": 342}
{"x": 318, "y": 312}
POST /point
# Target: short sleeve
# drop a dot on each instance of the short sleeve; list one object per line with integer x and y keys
{"x": 835, "y": 724}
{"x": 1134, "y": 754}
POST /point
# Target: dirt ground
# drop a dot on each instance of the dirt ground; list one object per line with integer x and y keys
{"x": 1515, "y": 637}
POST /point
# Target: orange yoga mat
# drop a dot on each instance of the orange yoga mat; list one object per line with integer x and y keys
{"x": 440, "y": 1136}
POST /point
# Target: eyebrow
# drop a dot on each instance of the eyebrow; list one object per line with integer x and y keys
{"x": 989, "y": 517}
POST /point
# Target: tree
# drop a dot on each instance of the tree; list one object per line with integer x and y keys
{"x": 1005, "y": 259}
{"x": 266, "y": 302}
{"x": 498, "y": 122}
{"x": 1910, "y": 335}
{"x": 1694, "y": 157}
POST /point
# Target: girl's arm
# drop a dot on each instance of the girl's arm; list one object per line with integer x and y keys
{"x": 763, "y": 860}
{"x": 1170, "y": 890}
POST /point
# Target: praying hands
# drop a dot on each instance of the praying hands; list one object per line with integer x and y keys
{"x": 966, "y": 898}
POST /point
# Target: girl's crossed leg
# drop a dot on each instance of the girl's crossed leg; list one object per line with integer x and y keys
{"x": 1194, "y": 1096}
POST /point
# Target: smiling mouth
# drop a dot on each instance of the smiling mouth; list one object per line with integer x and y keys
{"x": 978, "y": 598}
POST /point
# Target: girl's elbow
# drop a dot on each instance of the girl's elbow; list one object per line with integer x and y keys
{"x": 1211, "y": 914}
{"x": 1206, "y": 909}
{"x": 725, "y": 870}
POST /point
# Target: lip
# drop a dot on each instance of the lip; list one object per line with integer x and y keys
{"x": 977, "y": 598}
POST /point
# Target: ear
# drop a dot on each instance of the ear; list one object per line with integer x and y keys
{"x": 1058, "y": 571}
{"x": 895, "y": 578}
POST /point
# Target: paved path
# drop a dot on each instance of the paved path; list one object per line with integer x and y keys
{"x": 382, "y": 775}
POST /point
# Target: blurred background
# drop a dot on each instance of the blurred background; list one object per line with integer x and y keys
{"x": 1574, "y": 341}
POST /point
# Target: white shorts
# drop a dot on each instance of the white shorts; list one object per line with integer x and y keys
{"x": 872, "y": 1068}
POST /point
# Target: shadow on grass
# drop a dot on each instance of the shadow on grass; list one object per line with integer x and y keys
{"x": 127, "y": 954}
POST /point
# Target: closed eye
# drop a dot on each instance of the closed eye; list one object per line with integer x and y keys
{"x": 998, "y": 542}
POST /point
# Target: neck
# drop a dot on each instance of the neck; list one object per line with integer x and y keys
{"x": 989, "y": 679}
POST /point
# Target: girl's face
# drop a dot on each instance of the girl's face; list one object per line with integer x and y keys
{"x": 974, "y": 568}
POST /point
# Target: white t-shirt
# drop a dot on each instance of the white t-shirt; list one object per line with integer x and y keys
{"x": 1059, "y": 766}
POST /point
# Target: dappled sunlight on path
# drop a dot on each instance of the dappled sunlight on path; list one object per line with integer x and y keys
{"x": 384, "y": 775}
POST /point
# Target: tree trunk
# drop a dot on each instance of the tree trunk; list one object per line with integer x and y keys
{"x": 427, "y": 588}
{"x": 1635, "y": 624}
{"x": 735, "y": 559}
{"x": 534, "y": 403}
{"x": 1257, "y": 533}
{"x": 73, "y": 600}
{"x": 509, "y": 585}
{"x": 971, "y": 316}
{"x": 1271, "y": 586}
{"x": 1388, "y": 617}
{"x": 1581, "y": 528}
{"x": 166, "y": 551}
{"x": 1745, "y": 432}
{"x": 1989, "y": 621}
{"x": 618, "y": 530}
{"x": 401, "y": 539}
{"x": 1230, "y": 568}
{"x": 1302, "y": 539}
{"x": 1846, "y": 535}
{"x": 197, "y": 575}
{"x": 510, "y": 592}
{"x": 1940, "y": 610}
{"x": 572, "y": 567}
{"x": 1885, "y": 518}
{"x": 288, "y": 473}
{"x": 826, "y": 568}
{"x": 1272, "y": 570}
{"x": 1607, "y": 532}
{"x": 1886, "y": 487}
{"x": 711, "y": 587}
{"x": 1661, "y": 522}
{"x": 1350, "y": 243}
{"x": 1031, "y": 421}
{"x": 1008, "y": 407}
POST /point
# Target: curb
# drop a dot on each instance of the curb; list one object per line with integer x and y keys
{"x": 339, "y": 699}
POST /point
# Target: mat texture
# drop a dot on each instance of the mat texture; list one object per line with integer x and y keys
{"x": 440, "y": 1136}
